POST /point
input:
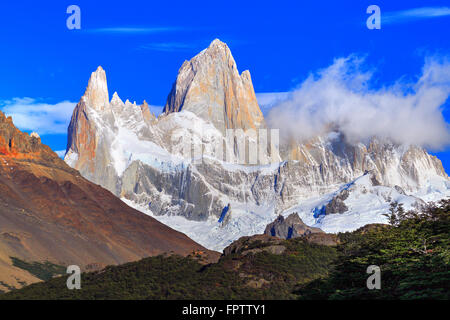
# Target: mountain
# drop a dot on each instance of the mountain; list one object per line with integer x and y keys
{"x": 264, "y": 267}
{"x": 50, "y": 214}
{"x": 209, "y": 85}
{"x": 173, "y": 167}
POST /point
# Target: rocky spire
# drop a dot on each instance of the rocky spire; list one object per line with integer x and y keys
{"x": 94, "y": 126}
{"x": 96, "y": 94}
{"x": 210, "y": 86}
{"x": 148, "y": 116}
{"x": 82, "y": 140}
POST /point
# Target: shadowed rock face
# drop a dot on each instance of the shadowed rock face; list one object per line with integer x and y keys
{"x": 291, "y": 227}
{"x": 48, "y": 211}
{"x": 337, "y": 205}
{"x": 210, "y": 86}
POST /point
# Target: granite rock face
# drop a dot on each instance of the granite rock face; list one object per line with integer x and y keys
{"x": 142, "y": 159}
{"x": 209, "y": 85}
{"x": 290, "y": 227}
{"x": 88, "y": 147}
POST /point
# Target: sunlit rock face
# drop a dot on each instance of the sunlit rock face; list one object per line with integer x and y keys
{"x": 407, "y": 166}
{"x": 123, "y": 147}
{"x": 209, "y": 85}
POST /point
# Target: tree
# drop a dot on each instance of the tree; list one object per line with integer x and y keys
{"x": 392, "y": 216}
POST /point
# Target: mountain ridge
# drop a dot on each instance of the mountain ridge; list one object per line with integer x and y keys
{"x": 49, "y": 212}
{"x": 144, "y": 163}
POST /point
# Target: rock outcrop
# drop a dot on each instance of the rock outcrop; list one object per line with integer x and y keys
{"x": 337, "y": 204}
{"x": 255, "y": 244}
{"x": 209, "y": 85}
{"x": 290, "y": 227}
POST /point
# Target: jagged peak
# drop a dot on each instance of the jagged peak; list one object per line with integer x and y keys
{"x": 116, "y": 99}
{"x": 145, "y": 109}
{"x": 195, "y": 90}
{"x": 98, "y": 76}
{"x": 216, "y": 43}
{"x": 216, "y": 51}
{"x": 245, "y": 75}
{"x": 35, "y": 135}
{"x": 96, "y": 94}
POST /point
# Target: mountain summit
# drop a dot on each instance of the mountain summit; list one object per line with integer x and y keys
{"x": 333, "y": 184}
{"x": 96, "y": 94}
{"x": 210, "y": 86}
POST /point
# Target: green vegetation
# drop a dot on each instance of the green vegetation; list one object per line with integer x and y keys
{"x": 44, "y": 271}
{"x": 413, "y": 254}
{"x": 175, "y": 277}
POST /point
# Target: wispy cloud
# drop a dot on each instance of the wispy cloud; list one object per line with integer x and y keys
{"x": 413, "y": 14}
{"x": 167, "y": 46}
{"x": 266, "y": 100}
{"x": 341, "y": 96}
{"x": 132, "y": 30}
{"x": 43, "y": 118}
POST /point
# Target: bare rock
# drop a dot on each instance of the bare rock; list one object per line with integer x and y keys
{"x": 337, "y": 205}
{"x": 291, "y": 227}
{"x": 210, "y": 86}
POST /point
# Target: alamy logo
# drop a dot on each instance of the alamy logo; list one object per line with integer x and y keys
{"x": 74, "y": 280}
{"x": 74, "y": 20}
{"x": 374, "y": 21}
{"x": 237, "y": 146}
{"x": 374, "y": 281}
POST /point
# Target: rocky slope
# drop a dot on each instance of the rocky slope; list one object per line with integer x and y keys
{"x": 143, "y": 160}
{"x": 49, "y": 212}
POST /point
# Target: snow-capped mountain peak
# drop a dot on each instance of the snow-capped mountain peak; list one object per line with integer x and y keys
{"x": 333, "y": 184}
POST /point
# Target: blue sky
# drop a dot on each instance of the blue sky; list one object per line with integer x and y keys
{"x": 141, "y": 44}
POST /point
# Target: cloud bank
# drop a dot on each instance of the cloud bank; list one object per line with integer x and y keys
{"x": 340, "y": 97}
{"x": 43, "y": 118}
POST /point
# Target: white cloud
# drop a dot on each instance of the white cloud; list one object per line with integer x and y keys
{"x": 340, "y": 96}
{"x": 132, "y": 30}
{"x": 414, "y": 14}
{"x": 266, "y": 100}
{"x": 167, "y": 46}
{"x": 43, "y": 118}
{"x": 61, "y": 153}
